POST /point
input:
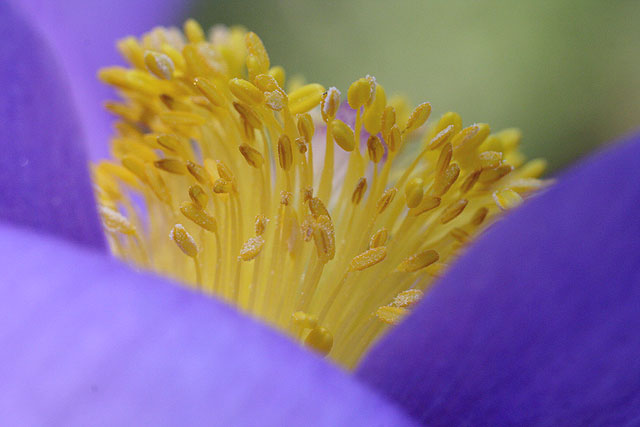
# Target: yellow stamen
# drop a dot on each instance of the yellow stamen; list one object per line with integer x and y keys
{"x": 209, "y": 145}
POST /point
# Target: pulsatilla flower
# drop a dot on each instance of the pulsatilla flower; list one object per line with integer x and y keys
{"x": 326, "y": 226}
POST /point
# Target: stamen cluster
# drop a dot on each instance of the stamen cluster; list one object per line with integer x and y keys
{"x": 328, "y": 221}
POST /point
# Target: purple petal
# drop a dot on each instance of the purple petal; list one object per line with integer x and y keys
{"x": 44, "y": 182}
{"x": 539, "y": 322}
{"x": 84, "y": 340}
{"x": 84, "y": 34}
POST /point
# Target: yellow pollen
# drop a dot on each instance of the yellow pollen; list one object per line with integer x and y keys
{"x": 271, "y": 200}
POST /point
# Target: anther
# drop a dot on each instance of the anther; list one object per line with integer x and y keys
{"x": 407, "y": 298}
{"x": 301, "y": 145}
{"x": 441, "y": 137}
{"x": 245, "y": 91}
{"x": 198, "y": 196}
{"x": 391, "y": 315}
{"x": 174, "y": 166}
{"x": 379, "y": 238}
{"x": 209, "y": 90}
{"x": 319, "y": 340}
{"x": 360, "y": 92}
{"x": 159, "y": 64}
{"x": 445, "y": 180}
{"x": 318, "y": 208}
{"x": 193, "y": 31}
{"x": 196, "y": 214}
{"x": 305, "y": 98}
{"x": 507, "y": 199}
{"x": 418, "y": 261}
{"x": 251, "y": 155}
{"x": 285, "y": 155}
{"x": 358, "y": 192}
{"x": 394, "y": 140}
{"x": 479, "y": 216}
{"x": 427, "y": 203}
{"x": 285, "y": 198}
{"x": 386, "y": 199}
{"x": 249, "y": 116}
{"x": 330, "y": 104}
{"x": 114, "y": 221}
{"x": 198, "y": 172}
{"x": 324, "y": 238}
{"x": 343, "y": 135}
{"x": 375, "y": 148}
{"x": 453, "y": 210}
{"x": 368, "y": 258}
{"x": 444, "y": 159}
{"x": 221, "y": 186}
{"x": 258, "y": 52}
{"x": 414, "y": 192}
{"x": 388, "y": 120}
{"x": 251, "y": 248}
{"x": 184, "y": 240}
{"x": 418, "y": 117}
{"x": 261, "y": 224}
{"x": 305, "y": 127}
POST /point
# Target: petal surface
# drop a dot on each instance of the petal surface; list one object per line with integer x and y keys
{"x": 44, "y": 183}
{"x": 84, "y": 35}
{"x": 538, "y": 323}
{"x": 84, "y": 340}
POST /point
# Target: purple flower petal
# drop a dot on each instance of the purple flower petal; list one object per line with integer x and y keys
{"x": 539, "y": 322}
{"x": 84, "y": 33}
{"x": 86, "y": 341}
{"x": 44, "y": 182}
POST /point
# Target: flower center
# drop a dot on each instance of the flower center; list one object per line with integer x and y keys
{"x": 328, "y": 221}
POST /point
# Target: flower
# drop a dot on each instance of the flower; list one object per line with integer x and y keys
{"x": 85, "y": 340}
{"x": 311, "y": 231}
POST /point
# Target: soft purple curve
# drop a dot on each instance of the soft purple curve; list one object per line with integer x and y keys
{"x": 83, "y": 34}
{"x": 539, "y": 322}
{"x": 84, "y": 340}
{"x": 44, "y": 182}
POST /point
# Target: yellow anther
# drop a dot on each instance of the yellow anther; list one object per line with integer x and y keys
{"x": 209, "y": 90}
{"x": 507, "y": 199}
{"x": 533, "y": 168}
{"x": 285, "y": 155}
{"x": 375, "y": 149}
{"x": 413, "y": 192}
{"x": 224, "y": 172}
{"x": 407, "y": 298}
{"x": 305, "y": 98}
{"x": 361, "y": 92}
{"x": 171, "y": 165}
{"x": 249, "y": 116}
{"x": 343, "y": 135}
{"x": 418, "y": 261}
{"x": 318, "y": 208}
{"x": 196, "y": 214}
{"x": 198, "y": 172}
{"x": 379, "y": 238}
{"x": 426, "y": 204}
{"x": 418, "y": 117}
{"x": 372, "y": 117}
{"x": 251, "y": 248}
{"x": 386, "y": 199}
{"x": 261, "y": 224}
{"x": 320, "y": 340}
{"x": 285, "y": 198}
{"x": 184, "y": 240}
{"x": 193, "y": 31}
{"x": 170, "y": 142}
{"x": 490, "y": 159}
{"x": 114, "y": 221}
{"x": 453, "y": 210}
{"x": 301, "y": 144}
{"x": 245, "y": 91}
{"x": 181, "y": 118}
{"x": 509, "y": 138}
{"x": 465, "y": 135}
{"x": 159, "y": 64}
{"x": 394, "y": 140}
{"x": 460, "y": 235}
{"x": 278, "y": 74}
{"x": 388, "y": 120}
{"x": 175, "y": 55}
{"x": 304, "y": 320}
{"x": 441, "y": 137}
{"x": 266, "y": 83}
{"x": 222, "y": 186}
{"x": 449, "y": 119}
{"x": 258, "y": 52}
{"x": 324, "y": 238}
{"x": 489, "y": 176}
{"x": 307, "y": 194}
{"x": 305, "y": 127}
{"x": 368, "y": 258}
{"x": 479, "y": 216}
{"x": 135, "y": 166}
{"x": 444, "y": 159}
{"x": 358, "y": 192}
{"x": 132, "y": 51}
{"x": 470, "y": 181}
{"x": 330, "y": 104}
{"x": 198, "y": 196}
{"x": 275, "y": 100}
{"x": 391, "y": 315}
{"x": 251, "y": 155}
{"x": 525, "y": 185}
{"x": 445, "y": 180}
